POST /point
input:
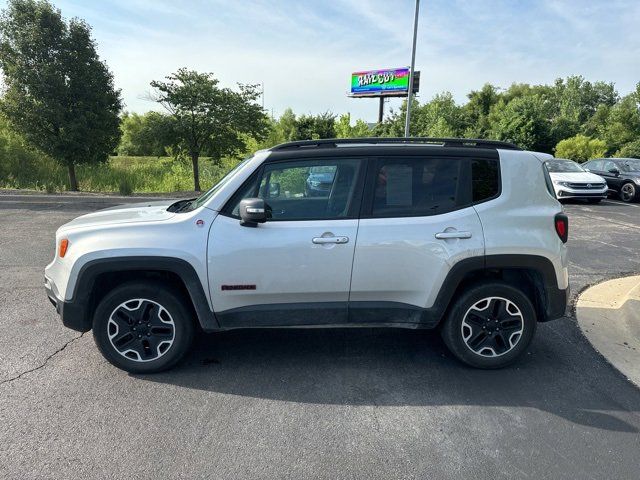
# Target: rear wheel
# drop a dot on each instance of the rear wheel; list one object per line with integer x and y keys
{"x": 142, "y": 327}
{"x": 628, "y": 192}
{"x": 490, "y": 325}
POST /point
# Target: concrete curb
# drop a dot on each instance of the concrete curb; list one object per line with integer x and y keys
{"x": 609, "y": 316}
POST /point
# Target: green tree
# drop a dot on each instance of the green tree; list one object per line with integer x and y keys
{"x": 344, "y": 129}
{"x": 630, "y": 150}
{"x": 581, "y": 148}
{"x": 209, "y": 118}
{"x": 524, "y": 121}
{"x": 58, "y": 96}
{"x": 313, "y": 127}
{"x": 476, "y": 111}
{"x": 440, "y": 117}
{"x": 150, "y": 134}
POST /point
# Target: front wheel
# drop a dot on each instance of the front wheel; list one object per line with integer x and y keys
{"x": 490, "y": 325}
{"x": 628, "y": 192}
{"x": 142, "y": 327}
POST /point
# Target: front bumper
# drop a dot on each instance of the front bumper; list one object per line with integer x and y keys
{"x": 73, "y": 315}
{"x": 565, "y": 192}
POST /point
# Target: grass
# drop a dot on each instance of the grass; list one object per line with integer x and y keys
{"x": 124, "y": 175}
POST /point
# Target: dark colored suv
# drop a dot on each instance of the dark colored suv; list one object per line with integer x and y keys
{"x": 622, "y": 175}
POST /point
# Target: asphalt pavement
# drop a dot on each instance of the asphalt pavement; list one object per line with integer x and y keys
{"x": 347, "y": 403}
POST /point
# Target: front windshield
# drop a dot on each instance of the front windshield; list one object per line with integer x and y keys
{"x": 201, "y": 200}
{"x": 631, "y": 165}
{"x": 563, "y": 166}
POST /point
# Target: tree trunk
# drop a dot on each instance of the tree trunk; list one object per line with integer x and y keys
{"x": 73, "y": 181}
{"x": 196, "y": 171}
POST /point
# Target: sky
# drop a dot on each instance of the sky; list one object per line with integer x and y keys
{"x": 303, "y": 52}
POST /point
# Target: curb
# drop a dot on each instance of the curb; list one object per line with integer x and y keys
{"x": 609, "y": 316}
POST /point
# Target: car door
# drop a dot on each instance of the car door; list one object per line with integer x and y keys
{"x": 295, "y": 269}
{"x": 614, "y": 180}
{"x": 417, "y": 222}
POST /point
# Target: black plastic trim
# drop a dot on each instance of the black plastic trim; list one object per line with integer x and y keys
{"x": 427, "y": 141}
{"x": 284, "y": 315}
{"x": 75, "y": 313}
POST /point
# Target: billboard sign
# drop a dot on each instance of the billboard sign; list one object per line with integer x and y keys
{"x": 374, "y": 83}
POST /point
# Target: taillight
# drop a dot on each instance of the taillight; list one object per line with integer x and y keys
{"x": 561, "y": 222}
{"x": 62, "y": 248}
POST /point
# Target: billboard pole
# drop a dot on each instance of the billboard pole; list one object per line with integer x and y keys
{"x": 413, "y": 63}
{"x": 381, "y": 110}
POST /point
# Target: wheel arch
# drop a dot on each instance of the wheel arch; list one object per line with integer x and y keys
{"x": 97, "y": 277}
{"x": 533, "y": 274}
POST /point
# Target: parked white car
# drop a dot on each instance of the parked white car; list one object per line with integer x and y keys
{"x": 570, "y": 180}
{"x": 409, "y": 233}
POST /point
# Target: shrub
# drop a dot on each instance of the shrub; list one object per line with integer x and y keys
{"x": 580, "y": 148}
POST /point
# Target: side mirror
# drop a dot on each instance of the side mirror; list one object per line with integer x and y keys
{"x": 614, "y": 170}
{"x": 252, "y": 212}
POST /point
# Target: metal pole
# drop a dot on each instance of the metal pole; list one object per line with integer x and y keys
{"x": 413, "y": 64}
{"x": 381, "y": 110}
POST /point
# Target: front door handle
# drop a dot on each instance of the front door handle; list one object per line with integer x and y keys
{"x": 454, "y": 234}
{"x": 325, "y": 240}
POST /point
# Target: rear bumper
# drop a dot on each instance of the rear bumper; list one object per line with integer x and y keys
{"x": 72, "y": 314}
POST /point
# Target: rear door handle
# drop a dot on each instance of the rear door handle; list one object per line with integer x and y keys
{"x": 446, "y": 235}
{"x": 325, "y": 240}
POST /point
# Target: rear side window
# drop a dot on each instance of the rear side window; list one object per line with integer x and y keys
{"x": 419, "y": 186}
{"x": 423, "y": 186}
{"x": 485, "y": 176}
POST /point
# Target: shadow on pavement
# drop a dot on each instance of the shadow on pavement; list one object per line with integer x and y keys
{"x": 389, "y": 367}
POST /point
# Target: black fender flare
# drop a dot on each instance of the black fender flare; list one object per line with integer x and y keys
{"x": 90, "y": 271}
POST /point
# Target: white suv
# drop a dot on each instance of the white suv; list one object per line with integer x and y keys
{"x": 461, "y": 235}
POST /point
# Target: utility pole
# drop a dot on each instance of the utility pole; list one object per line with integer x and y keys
{"x": 413, "y": 64}
{"x": 381, "y": 110}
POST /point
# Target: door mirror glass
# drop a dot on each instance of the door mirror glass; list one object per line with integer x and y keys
{"x": 614, "y": 170}
{"x": 252, "y": 212}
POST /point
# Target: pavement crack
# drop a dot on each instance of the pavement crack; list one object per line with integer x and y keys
{"x": 46, "y": 360}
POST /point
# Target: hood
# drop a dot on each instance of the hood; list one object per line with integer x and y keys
{"x": 577, "y": 177}
{"x": 130, "y": 213}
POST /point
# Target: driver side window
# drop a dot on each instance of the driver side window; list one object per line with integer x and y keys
{"x": 316, "y": 189}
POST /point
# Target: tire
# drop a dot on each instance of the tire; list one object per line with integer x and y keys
{"x": 594, "y": 200}
{"x": 489, "y": 347}
{"x": 628, "y": 192}
{"x": 161, "y": 342}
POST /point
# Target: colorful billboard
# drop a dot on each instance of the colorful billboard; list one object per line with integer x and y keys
{"x": 394, "y": 81}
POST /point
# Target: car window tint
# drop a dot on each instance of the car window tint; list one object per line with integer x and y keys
{"x": 304, "y": 190}
{"x": 419, "y": 186}
{"x": 485, "y": 175}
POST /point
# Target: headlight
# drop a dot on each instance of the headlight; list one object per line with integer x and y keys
{"x": 637, "y": 180}
{"x": 314, "y": 183}
{"x": 562, "y": 184}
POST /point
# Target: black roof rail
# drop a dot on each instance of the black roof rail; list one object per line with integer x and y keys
{"x": 443, "y": 142}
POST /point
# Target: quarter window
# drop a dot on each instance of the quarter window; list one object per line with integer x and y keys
{"x": 485, "y": 176}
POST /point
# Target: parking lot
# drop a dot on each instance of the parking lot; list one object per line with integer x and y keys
{"x": 341, "y": 403}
